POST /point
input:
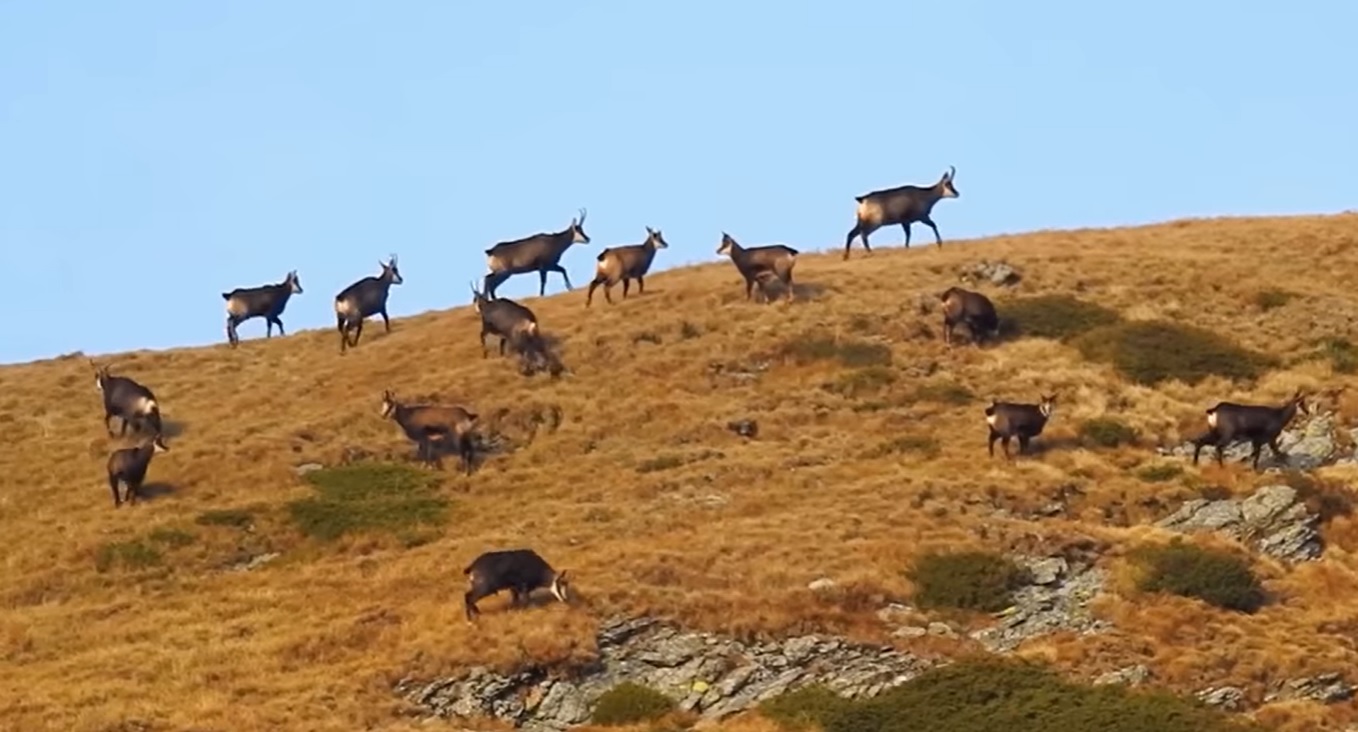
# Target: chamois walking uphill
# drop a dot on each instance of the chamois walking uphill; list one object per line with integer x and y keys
{"x": 266, "y": 301}
{"x": 1259, "y": 424}
{"x": 363, "y": 299}
{"x": 903, "y": 206}
{"x": 128, "y": 466}
{"x": 539, "y": 253}
{"x": 516, "y": 326}
{"x": 428, "y": 424}
{"x": 1008, "y": 420}
{"x": 972, "y": 309}
{"x": 625, "y": 264}
{"x": 128, "y": 400}
{"x": 518, "y": 570}
{"x": 761, "y": 265}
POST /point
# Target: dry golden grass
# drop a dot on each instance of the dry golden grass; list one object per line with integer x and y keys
{"x": 720, "y": 533}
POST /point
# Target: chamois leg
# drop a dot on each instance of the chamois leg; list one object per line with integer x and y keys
{"x": 1023, "y": 441}
{"x": 113, "y": 486}
{"x": 1004, "y": 442}
{"x": 594, "y": 285}
{"x": 1209, "y": 437}
{"x": 947, "y": 331}
{"x": 848, "y": 240}
{"x": 469, "y": 604}
{"x": 231, "y": 331}
{"x": 906, "y": 226}
{"x": 626, "y": 285}
{"x": 278, "y": 322}
{"x": 749, "y": 287}
{"x": 268, "y": 327}
{"x": 341, "y": 325}
{"x": 990, "y": 446}
{"x": 485, "y": 352}
{"x": 122, "y": 431}
{"x": 562, "y": 270}
{"x": 1277, "y": 453}
{"x": 1257, "y": 447}
{"x": 641, "y": 285}
{"x": 503, "y": 340}
{"x": 542, "y": 280}
{"x": 386, "y": 321}
{"x": 465, "y": 451}
{"x": 358, "y": 332}
{"x": 930, "y": 223}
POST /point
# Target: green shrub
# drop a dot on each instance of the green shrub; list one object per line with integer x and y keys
{"x": 368, "y": 497}
{"x": 629, "y": 703}
{"x": 944, "y": 392}
{"x": 1159, "y": 472}
{"x": 135, "y": 554}
{"x": 169, "y": 537}
{"x": 969, "y": 580}
{"x": 234, "y": 517}
{"x": 851, "y": 352}
{"x": 921, "y": 445}
{"x": 1216, "y": 577}
{"x": 1149, "y": 352}
{"x": 992, "y": 694}
{"x": 858, "y": 382}
{"x": 1271, "y": 298}
{"x": 1059, "y": 317}
{"x": 1341, "y": 354}
{"x": 808, "y": 706}
{"x": 1107, "y": 432}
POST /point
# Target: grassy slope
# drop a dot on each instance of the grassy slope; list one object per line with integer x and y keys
{"x": 319, "y": 634}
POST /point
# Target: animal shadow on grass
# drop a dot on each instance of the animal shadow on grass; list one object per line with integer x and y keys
{"x": 172, "y": 429}
{"x": 542, "y": 355}
{"x": 154, "y": 491}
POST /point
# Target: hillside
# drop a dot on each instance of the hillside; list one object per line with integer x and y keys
{"x": 870, "y": 453}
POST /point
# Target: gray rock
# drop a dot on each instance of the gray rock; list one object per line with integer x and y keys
{"x": 1271, "y": 521}
{"x": 1047, "y": 571}
{"x": 305, "y": 468}
{"x": 1128, "y": 676}
{"x": 1049, "y": 607}
{"x": 1229, "y": 698}
{"x": 1001, "y": 274}
{"x": 822, "y": 584}
{"x": 1328, "y": 688}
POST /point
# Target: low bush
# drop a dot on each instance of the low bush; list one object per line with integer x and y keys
{"x": 1059, "y": 317}
{"x": 1216, "y": 577}
{"x": 1106, "y": 432}
{"x": 1271, "y": 298}
{"x": 233, "y": 517}
{"x": 629, "y": 703}
{"x": 134, "y": 555}
{"x": 369, "y": 497}
{"x": 968, "y": 580}
{"x": 1006, "y": 695}
{"x": 851, "y": 352}
{"x": 1340, "y": 352}
{"x": 1159, "y": 472}
{"x": 944, "y": 392}
{"x": 1149, "y": 352}
{"x": 860, "y": 382}
{"x": 804, "y": 707}
{"x": 919, "y": 445}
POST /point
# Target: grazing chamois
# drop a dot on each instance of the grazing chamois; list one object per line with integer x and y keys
{"x": 428, "y": 423}
{"x": 539, "y": 253}
{"x": 126, "y": 399}
{"x": 363, "y": 299}
{"x": 1024, "y": 421}
{"x": 518, "y": 570}
{"x": 266, "y": 301}
{"x": 514, "y": 323}
{"x": 128, "y": 466}
{"x": 903, "y": 205}
{"x": 625, "y": 263}
{"x": 1229, "y": 421}
{"x": 973, "y": 309}
{"x": 761, "y": 264}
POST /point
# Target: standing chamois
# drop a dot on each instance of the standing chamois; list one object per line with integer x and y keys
{"x": 539, "y": 253}
{"x": 126, "y": 399}
{"x": 1024, "y": 421}
{"x": 515, "y": 324}
{"x": 518, "y": 570}
{"x": 363, "y": 299}
{"x": 428, "y": 423}
{"x": 1229, "y": 421}
{"x": 625, "y": 263}
{"x": 128, "y": 466}
{"x": 971, "y": 308}
{"x": 761, "y": 264}
{"x": 266, "y": 301}
{"x": 903, "y": 205}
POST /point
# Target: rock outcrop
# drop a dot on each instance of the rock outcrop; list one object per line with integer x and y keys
{"x": 1056, "y": 600}
{"x": 1272, "y": 521}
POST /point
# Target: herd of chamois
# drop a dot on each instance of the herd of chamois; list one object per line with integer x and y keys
{"x": 435, "y": 426}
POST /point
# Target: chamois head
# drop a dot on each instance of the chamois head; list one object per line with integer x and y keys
{"x": 478, "y": 298}
{"x": 388, "y": 403}
{"x": 1047, "y": 405}
{"x": 945, "y": 183}
{"x": 294, "y": 284}
{"x": 100, "y": 375}
{"x": 578, "y": 235}
{"x": 1299, "y": 401}
{"x": 561, "y": 586}
{"x": 727, "y": 243}
{"x": 158, "y": 444}
{"x": 655, "y": 239}
{"x": 389, "y": 271}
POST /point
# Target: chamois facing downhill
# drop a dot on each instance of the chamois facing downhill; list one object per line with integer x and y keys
{"x": 363, "y": 299}
{"x": 128, "y": 400}
{"x": 539, "y": 253}
{"x": 1008, "y": 420}
{"x": 266, "y": 301}
{"x": 626, "y": 263}
{"x": 761, "y": 264}
{"x": 427, "y": 424}
{"x": 518, "y": 570}
{"x": 974, "y": 310}
{"x": 516, "y": 325}
{"x": 128, "y": 467}
{"x": 903, "y": 206}
{"x": 1229, "y": 421}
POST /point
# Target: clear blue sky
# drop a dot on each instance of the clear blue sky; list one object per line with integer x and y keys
{"x": 155, "y": 154}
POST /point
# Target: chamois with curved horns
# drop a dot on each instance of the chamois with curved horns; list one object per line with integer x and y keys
{"x": 128, "y": 467}
{"x": 976, "y": 311}
{"x": 1008, "y": 420}
{"x": 1229, "y": 421}
{"x": 518, "y": 570}
{"x": 266, "y": 301}
{"x": 126, "y": 399}
{"x": 539, "y": 253}
{"x": 427, "y": 424}
{"x": 903, "y": 206}
{"x": 625, "y": 264}
{"x": 363, "y": 299}
{"x": 514, "y": 323}
{"x": 761, "y": 264}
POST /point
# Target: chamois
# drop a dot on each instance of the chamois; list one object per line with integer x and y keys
{"x": 539, "y": 253}
{"x": 266, "y": 301}
{"x": 1229, "y": 421}
{"x": 363, "y": 299}
{"x": 626, "y": 263}
{"x": 518, "y": 570}
{"x": 128, "y": 466}
{"x": 427, "y": 423}
{"x": 514, "y": 323}
{"x": 1024, "y": 421}
{"x": 903, "y": 205}
{"x": 126, "y": 399}
{"x": 761, "y": 264}
{"x": 973, "y": 309}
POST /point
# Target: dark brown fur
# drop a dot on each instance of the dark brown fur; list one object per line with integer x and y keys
{"x": 1261, "y": 425}
{"x": 973, "y": 309}
{"x": 426, "y": 424}
{"x": 903, "y": 205}
{"x": 626, "y": 264}
{"x": 128, "y": 466}
{"x": 761, "y": 264}
{"x": 1008, "y": 420}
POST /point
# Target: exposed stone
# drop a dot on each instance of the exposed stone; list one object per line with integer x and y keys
{"x": 1001, "y": 274}
{"x": 1047, "y": 571}
{"x": 1128, "y": 676}
{"x": 822, "y": 584}
{"x": 1328, "y": 688}
{"x": 1271, "y": 521}
{"x": 1229, "y": 698}
{"x": 305, "y": 468}
{"x": 744, "y": 427}
{"x": 1060, "y": 602}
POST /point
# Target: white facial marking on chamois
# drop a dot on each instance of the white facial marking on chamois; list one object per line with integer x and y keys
{"x": 1046, "y": 409}
{"x": 98, "y": 383}
{"x": 556, "y": 589}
